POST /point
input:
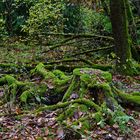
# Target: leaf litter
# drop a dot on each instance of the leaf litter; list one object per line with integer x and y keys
{"x": 44, "y": 126}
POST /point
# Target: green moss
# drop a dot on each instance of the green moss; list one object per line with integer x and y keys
{"x": 86, "y": 78}
{"x": 33, "y": 91}
{"x": 68, "y": 113}
{"x": 83, "y": 108}
{"x": 25, "y": 95}
{"x": 106, "y": 88}
{"x": 136, "y": 93}
{"x": 16, "y": 86}
{"x": 41, "y": 89}
{"x": 56, "y": 74}
{"x": 86, "y": 102}
{"x": 77, "y": 72}
{"x": 58, "y": 82}
{"x": 10, "y": 80}
{"x": 53, "y": 107}
{"x": 60, "y": 75}
{"x": 129, "y": 98}
{"x": 40, "y": 69}
{"x": 70, "y": 89}
{"x": 85, "y": 125}
{"x": 3, "y": 81}
{"x": 83, "y": 89}
{"x": 55, "y": 79}
{"x": 13, "y": 88}
{"x": 131, "y": 67}
{"x": 95, "y": 79}
{"x": 81, "y": 82}
{"x": 88, "y": 74}
{"x": 107, "y": 76}
{"x": 97, "y": 116}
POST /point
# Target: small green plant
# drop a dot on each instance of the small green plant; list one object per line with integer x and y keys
{"x": 94, "y": 22}
{"x": 117, "y": 117}
{"x": 3, "y": 32}
{"x": 121, "y": 119}
{"x": 122, "y": 122}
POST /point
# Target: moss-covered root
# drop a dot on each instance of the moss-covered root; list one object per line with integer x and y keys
{"x": 85, "y": 121}
{"x": 85, "y": 124}
{"x": 57, "y": 78}
{"x": 70, "y": 89}
{"x": 127, "y": 98}
{"x": 9, "y": 80}
{"x": 14, "y": 85}
{"x": 86, "y": 102}
{"x": 95, "y": 82}
{"x": 69, "y": 112}
{"x": 40, "y": 69}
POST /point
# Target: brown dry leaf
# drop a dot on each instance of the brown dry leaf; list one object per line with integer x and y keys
{"x": 51, "y": 122}
{"x": 1, "y": 92}
{"x": 137, "y": 132}
{"x": 79, "y": 126}
{"x": 101, "y": 131}
{"x": 39, "y": 120}
{"x": 50, "y": 85}
{"x": 74, "y": 96}
{"x": 76, "y": 115}
{"x": 18, "y": 110}
{"x": 60, "y": 133}
{"x": 120, "y": 138}
{"x": 46, "y": 132}
{"x": 115, "y": 126}
{"x": 2, "y": 119}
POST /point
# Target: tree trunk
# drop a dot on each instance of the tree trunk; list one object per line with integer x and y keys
{"x": 121, "y": 36}
{"x": 105, "y": 7}
{"x": 8, "y": 9}
{"x": 72, "y": 23}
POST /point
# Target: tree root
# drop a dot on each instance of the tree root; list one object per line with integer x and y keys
{"x": 86, "y": 102}
{"x": 70, "y": 89}
{"x": 14, "y": 86}
{"x": 91, "y": 51}
{"x": 86, "y": 95}
{"x": 127, "y": 98}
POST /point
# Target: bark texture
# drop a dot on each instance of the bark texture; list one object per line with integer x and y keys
{"x": 121, "y": 36}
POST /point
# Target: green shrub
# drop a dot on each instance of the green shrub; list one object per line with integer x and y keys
{"x": 45, "y": 16}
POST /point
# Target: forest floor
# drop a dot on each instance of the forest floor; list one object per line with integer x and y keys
{"x": 44, "y": 127}
{"x": 14, "y": 126}
{"x": 17, "y": 124}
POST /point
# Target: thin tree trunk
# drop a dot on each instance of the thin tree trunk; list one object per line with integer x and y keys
{"x": 9, "y": 20}
{"x": 72, "y": 23}
{"x": 105, "y": 7}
